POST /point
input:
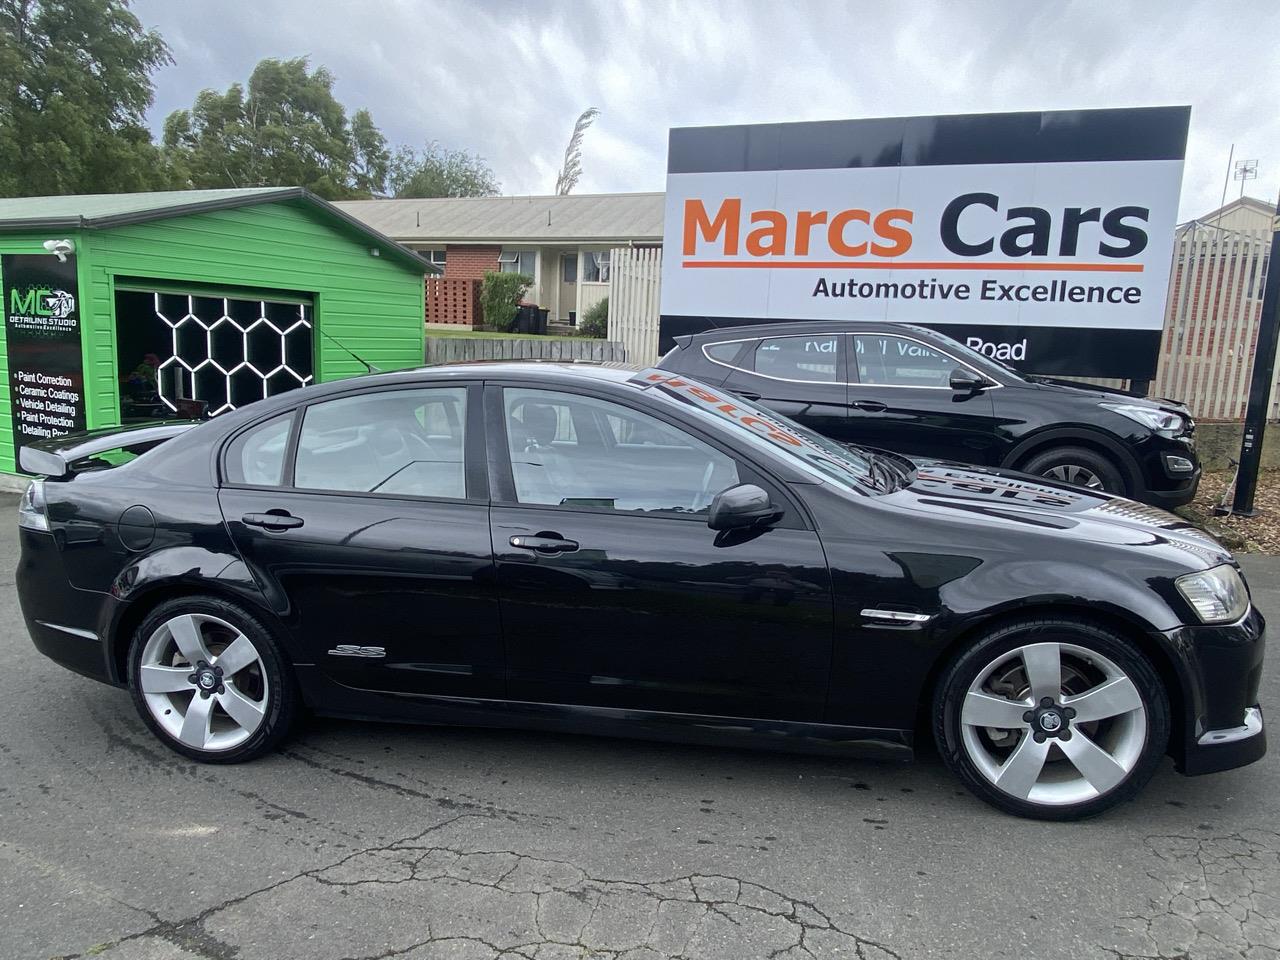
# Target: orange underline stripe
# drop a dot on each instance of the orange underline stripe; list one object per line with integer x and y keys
{"x": 915, "y": 265}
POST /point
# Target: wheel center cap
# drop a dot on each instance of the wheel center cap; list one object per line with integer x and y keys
{"x": 1048, "y": 719}
{"x": 207, "y": 679}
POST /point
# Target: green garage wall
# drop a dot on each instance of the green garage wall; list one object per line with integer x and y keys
{"x": 372, "y": 305}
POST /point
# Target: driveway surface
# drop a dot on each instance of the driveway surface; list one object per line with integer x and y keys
{"x": 365, "y": 840}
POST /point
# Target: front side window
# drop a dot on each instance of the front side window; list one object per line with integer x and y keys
{"x": 407, "y": 442}
{"x": 812, "y": 359}
{"x": 576, "y": 451}
{"x": 517, "y": 261}
{"x": 595, "y": 266}
{"x": 256, "y": 457}
{"x": 887, "y": 360}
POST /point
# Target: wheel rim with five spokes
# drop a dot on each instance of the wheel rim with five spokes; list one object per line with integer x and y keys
{"x": 1053, "y": 724}
{"x": 1076, "y": 474}
{"x": 204, "y": 682}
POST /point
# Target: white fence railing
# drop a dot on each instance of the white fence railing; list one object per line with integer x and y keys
{"x": 634, "y": 286}
{"x": 1211, "y": 320}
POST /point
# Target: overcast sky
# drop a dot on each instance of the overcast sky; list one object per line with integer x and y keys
{"x": 507, "y": 78}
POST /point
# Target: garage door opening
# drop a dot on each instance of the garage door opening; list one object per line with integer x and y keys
{"x": 191, "y": 355}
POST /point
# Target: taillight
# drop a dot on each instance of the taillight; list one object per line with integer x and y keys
{"x": 31, "y": 512}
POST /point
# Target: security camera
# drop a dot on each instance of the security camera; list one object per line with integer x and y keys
{"x": 60, "y": 248}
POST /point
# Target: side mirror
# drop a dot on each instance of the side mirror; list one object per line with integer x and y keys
{"x": 742, "y": 507}
{"x": 966, "y": 381}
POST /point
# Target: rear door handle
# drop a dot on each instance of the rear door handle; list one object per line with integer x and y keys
{"x": 871, "y": 406}
{"x": 544, "y": 544}
{"x": 747, "y": 394}
{"x": 271, "y": 521}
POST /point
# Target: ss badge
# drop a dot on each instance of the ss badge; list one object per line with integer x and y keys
{"x": 353, "y": 650}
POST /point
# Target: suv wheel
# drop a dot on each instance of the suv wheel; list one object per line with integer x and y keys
{"x": 1079, "y": 466}
{"x": 207, "y": 677}
{"x": 1052, "y": 719}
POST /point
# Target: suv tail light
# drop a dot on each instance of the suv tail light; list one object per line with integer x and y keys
{"x": 31, "y": 511}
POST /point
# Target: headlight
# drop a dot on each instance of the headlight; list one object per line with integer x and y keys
{"x": 1162, "y": 422}
{"x": 1217, "y": 595}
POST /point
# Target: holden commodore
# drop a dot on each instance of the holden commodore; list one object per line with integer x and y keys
{"x": 609, "y": 550}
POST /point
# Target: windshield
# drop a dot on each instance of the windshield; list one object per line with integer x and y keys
{"x": 848, "y": 466}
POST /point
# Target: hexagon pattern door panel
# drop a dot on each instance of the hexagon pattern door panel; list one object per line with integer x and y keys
{"x": 216, "y": 353}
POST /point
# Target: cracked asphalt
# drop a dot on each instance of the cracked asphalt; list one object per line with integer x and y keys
{"x": 377, "y": 841}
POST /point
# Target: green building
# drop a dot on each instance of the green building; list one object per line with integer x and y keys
{"x": 127, "y": 307}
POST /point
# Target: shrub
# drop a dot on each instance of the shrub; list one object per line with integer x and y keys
{"x": 500, "y": 294}
{"x": 595, "y": 322}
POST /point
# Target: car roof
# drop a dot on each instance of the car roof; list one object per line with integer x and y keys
{"x": 794, "y": 327}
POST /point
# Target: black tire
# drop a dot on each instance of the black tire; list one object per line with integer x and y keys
{"x": 1065, "y": 458}
{"x": 281, "y": 701}
{"x": 954, "y": 685}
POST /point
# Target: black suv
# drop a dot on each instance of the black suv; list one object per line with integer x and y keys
{"x": 917, "y": 392}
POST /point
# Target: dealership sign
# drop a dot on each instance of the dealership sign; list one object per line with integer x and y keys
{"x": 1040, "y": 238}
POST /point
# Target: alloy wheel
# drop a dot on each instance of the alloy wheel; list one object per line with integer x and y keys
{"x": 1076, "y": 474}
{"x": 204, "y": 682}
{"x": 1053, "y": 724}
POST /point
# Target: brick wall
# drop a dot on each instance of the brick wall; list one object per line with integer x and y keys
{"x": 450, "y": 300}
{"x": 470, "y": 263}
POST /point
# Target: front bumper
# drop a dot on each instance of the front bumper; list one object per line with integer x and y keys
{"x": 1223, "y": 722}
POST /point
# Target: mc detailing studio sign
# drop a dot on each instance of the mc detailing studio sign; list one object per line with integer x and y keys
{"x": 43, "y": 343}
{"x": 1042, "y": 239}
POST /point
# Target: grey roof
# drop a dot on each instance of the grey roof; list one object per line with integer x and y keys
{"x": 105, "y": 210}
{"x": 585, "y": 218}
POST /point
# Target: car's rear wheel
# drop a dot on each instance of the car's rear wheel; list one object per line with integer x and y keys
{"x": 1079, "y": 466}
{"x": 209, "y": 680}
{"x": 1052, "y": 719}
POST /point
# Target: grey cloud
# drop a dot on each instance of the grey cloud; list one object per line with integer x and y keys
{"x": 506, "y": 79}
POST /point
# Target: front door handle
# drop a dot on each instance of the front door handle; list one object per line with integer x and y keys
{"x": 281, "y": 520}
{"x": 870, "y": 406}
{"x": 544, "y": 543}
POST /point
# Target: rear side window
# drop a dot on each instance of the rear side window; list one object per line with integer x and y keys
{"x": 811, "y": 359}
{"x": 407, "y": 442}
{"x": 898, "y": 362}
{"x": 256, "y": 457}
{"x": 722, "y": 352}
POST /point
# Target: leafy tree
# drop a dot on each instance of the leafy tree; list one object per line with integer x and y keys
{"x": 75, "y": 82}
{"x": 285, "y": 129}
{"x": 439, "y": 172}
{"x": 571, "y": 172}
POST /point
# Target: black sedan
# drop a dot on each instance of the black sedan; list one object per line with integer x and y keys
{"x": 621, "y": 551}
{"x": 920, "y": 393}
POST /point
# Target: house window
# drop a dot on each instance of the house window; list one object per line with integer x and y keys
{"x": 595, "y": 266}
{"x": 517, "y": 261}
{"x": 434, "y": 257}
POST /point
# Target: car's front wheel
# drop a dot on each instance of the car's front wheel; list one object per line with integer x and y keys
{"x": 209, "y": 680}
{"x": 1078, "y": 466}
{"x": 1052, "y": 719}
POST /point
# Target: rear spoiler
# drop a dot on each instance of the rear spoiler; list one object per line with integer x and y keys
{"x": 57, "y": 456}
